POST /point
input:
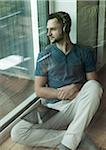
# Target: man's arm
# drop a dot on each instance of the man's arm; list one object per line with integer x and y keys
{"x": 42, "y": 90}
{"x": 92, "y": 76}
{"x": 63, "y": 93}
{"x": 70, "y": 91}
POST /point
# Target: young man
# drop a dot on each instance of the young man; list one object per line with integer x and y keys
{"x": 66, "y": 80}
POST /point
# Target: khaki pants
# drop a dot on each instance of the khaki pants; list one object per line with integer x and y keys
{"x": 74, "y": 115}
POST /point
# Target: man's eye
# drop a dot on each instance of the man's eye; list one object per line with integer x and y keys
{"x": 53, "y": 29}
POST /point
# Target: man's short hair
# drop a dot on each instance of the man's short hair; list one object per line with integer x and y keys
{"x": 62, "y": 18}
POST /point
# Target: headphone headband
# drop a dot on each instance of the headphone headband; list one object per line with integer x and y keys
{"x": 63, "y": 18}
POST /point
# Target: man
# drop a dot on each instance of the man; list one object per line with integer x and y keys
{"x": 66, "y": 80}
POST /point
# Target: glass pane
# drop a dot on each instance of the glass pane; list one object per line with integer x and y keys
{"x": 88, "y": 10}
{"x": 16, "y": 54}
{"x": 91, "y": 27}
{"x": 42, "y": 21}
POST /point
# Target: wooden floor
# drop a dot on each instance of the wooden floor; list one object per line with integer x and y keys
{"x": 9, "y": 145}
{"x": 13, "y": 92}
{"x": 96, "y": 130}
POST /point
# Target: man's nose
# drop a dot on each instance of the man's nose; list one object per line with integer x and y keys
{"x": 48, "y": 33}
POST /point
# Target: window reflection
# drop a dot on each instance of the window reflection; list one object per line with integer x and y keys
{"x": 88, "y": 10}
{"x": 16, "y": 51}
{"x": 43, "y": 12}
{"x": 16, "y": 38}
{"x": 16, "y": 54}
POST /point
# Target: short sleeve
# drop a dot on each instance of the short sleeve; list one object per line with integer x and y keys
{"x": 89, "y": 60}
{"x": 41, "y": 66}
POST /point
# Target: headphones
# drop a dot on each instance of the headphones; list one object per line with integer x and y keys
{"x": 66, "y": 21}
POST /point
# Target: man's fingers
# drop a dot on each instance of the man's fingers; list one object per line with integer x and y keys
{"x": 61, "y": 94}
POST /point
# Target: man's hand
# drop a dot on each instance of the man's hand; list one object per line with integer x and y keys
{"x": 68, "y": 92}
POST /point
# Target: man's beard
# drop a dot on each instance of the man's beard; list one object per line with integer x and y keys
{"x": 55, "y": 40}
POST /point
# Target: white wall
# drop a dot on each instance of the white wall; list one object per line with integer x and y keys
{"x": 69, "y": 6}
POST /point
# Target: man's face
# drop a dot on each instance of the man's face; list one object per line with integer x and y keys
{"x": 55, "y": 32}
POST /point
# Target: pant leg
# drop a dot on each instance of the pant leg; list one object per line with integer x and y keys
{"x": 32, "y": 135}
{"x": 85, "y": 106}
{"x": 26, "y": 133}
{"x": 48, "y": 134}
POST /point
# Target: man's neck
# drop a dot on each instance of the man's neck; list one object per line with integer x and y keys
{"x": 64, "y": 45}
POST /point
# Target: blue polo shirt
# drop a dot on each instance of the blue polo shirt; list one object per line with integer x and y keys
{"x": 61, "y": 69}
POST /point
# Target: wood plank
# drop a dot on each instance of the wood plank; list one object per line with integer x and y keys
{"x": 9, "y": 145}
{"x": 13, "y": 92}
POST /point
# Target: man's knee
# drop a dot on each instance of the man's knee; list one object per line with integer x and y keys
{"x": 15, "y": 133}
{"x": 92, "y": 83}
{"x": 94, "y": 88}
{"x": 92, "y": 92}
{"x": 19, "y": 131}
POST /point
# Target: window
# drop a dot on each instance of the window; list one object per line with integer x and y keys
{"x": 17, "y": 54}
{"x": 91, "y": 28}
{"x": 16, "y": 37}
{"x": 42, "y": 21}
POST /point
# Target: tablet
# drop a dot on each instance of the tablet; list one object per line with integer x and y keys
{"x": 40, "y": 114}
